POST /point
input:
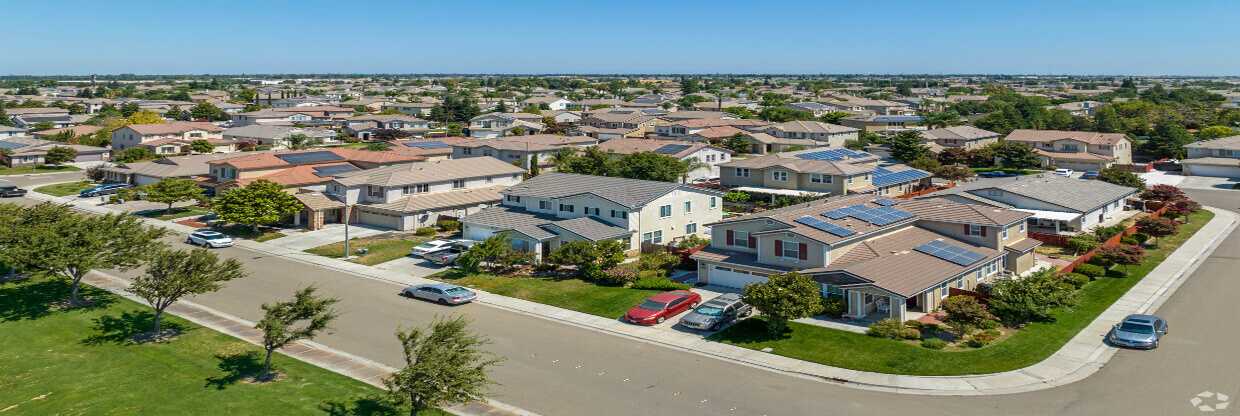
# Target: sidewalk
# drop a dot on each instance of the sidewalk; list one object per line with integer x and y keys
{"x": 1079, "y": 358}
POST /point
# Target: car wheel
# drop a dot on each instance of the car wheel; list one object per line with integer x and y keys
{"x": 716, "y": 326}
{"x": 660, "y": 320}
{"x": 443, "y": 301}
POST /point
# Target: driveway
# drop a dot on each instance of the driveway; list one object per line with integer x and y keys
{"x": 1159, "y": 177}
{"x": 412, "y": 266}
{"x": 330, "y": 233}
{"x": 1208, "y": 183}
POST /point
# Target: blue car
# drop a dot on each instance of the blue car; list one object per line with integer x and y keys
{"x": 1090, "y": 174}
{"x": 995, "y": 174}
{"x": 1138, "y": 331}
{"x": 105, "y": 189}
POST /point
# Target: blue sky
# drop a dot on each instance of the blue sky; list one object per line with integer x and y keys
{"x": 1185, "y": 37}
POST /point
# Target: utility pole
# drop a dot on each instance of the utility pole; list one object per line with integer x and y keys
{"x": 346, "y": 231}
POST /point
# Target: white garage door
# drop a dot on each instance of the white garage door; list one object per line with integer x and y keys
{"x": 379, "y": 220}
{"x": 728, "y": 277}
{"x": 1216, "y": 171}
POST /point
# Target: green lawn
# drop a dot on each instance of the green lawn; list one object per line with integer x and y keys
{"x": 574, "y": 294}
{"x": 175, "y": 213}
{"x": 246, "y": 232}
{"x": 1027, "y": 346}
{"x": 82, "y": 362}
{"x": 64, "y": 189}
{"x": 383, "y": 248}
{"x": 26, "y": 170}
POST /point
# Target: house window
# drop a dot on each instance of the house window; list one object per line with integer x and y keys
{"x": 742, "y": 172}
{"x": 780, "y": 175}
{"x": 591, "y": 211}
{"x": 688, "y": 207}
{"x": 543, "y": 205}
{"x": 691, "y": 228}
{"x": 467, "y": 151}
{"x": 458, "y": 183}
{"x": 740, "y": 239}
{"x": 1022, "y": 227}
{"x": 374, "y": 190}
{"x": 819, "y": 178}
{"x": 665, "y": 211}
{"x": 513, "y": 198}
{"x": 943, "y": 290}
{"x": 712, "y": 202}
{"x": 1005, "y": 233}
{"x": 960, "y": 281}
{"x": 975, "y": 230}
{"x": 567, "y": 208}
{"x": 850, "y": 179}
{"x": 658, "y": 237}
{"x": 791, "y": 250}
{"x": 619, "y": 214}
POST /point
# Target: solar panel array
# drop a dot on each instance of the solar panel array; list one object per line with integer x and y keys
{"x": 885, "y": 177}
{"x": 841, "y": 213}
{"x": 954, "y": 254}
{"x": 882, "y": 215}
{"x": 885, "y": 202}
{"x": 428, "y": 145}
{"x": 835, "y": 230}
{"x": 309, "y": 157}
{"x": 326, "y": 171}
{"x": 671, "y": 149}
{"x": 11, "y": 145}
{"x": 834, "y": 154}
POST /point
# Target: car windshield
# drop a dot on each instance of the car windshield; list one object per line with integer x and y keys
{"x": 709, "y": 310}
{"x": 214, "y": 236}
{"x": 427, "y": 245}
{"x": 1136, "y": 328}
{"x": 651, "y": 305}
{"x": 455, "y": 290}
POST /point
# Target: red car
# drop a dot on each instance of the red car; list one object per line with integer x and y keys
{"x": 660, "y": 307}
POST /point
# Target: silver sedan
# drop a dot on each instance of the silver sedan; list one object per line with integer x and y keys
{"x": 441, "y": 293}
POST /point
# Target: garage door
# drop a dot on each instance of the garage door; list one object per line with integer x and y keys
{"x": 379, "y": 220}
{"x": 728, "y": 277}
{"x": 1216, "y": 171}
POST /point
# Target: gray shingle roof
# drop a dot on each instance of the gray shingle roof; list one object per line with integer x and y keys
{"x": 631, "y": 193}
{"x": 1076, "y": 195}
{"x": 543, "y": 226}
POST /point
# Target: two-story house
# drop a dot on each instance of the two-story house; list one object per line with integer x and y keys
{"x": 277, "y": 137}
{"x": 1219, "y": 157}
{"x": 675, "y": 128}
{"x": 549, "y": 102}
{"x": 27, "y": 151}
{"x": 830, "y": 135}
{"x": 363, "y": 127}
{"x": 536, "y": 148}
{"x": 885, "y": 258}
{"x": 616, "y": 124}
{"x": 703, "y": 158}
{"x": 170, "y": 138}
{"x": 408, "y": 196}
{"x": 1078, "y": 150}
{"x": 964, "y": 137}
{"x": 820, "y": 171}
{"x": 300, "y": 169}
{"x": 492, "y": 125}
{"x": 550, "y": 209}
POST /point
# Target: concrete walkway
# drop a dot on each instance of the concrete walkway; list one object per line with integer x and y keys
{"x": 1083, "y": 355}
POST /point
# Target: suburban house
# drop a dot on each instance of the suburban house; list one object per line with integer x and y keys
{"x": 1078, "y": 150}
{"x": 170, "y": 138}
{"x": 1078, "y": 108}
{"x": 492, "y": 125}
{"x": 550, "y": 209}
{"x": 409, "y": 196}
{"x": 75, "y": 131}
{"x": 146, "y": 173}
{"x": 703, "y": 157}
{"x": 762, "y": 143}
{"x": 418, "y": 109}
{"x": 1059, "y": 205}
{"x": 363, "y": 127}
{"x": 309, "y": 168}
{"x": 615, "y": 124}
{"x": 883, "y": 123}
{"x": 827, "y": 134}
{"x": 25, "y": 151}
{"x": 317, "y": 115}
{"x": 816, "y": 109}
{"x": 1219, "y": 157}
{"x": 885, "y": 258}
{"x": 681, "y": 128}
{"x": 820, "y": 171}
{"x": 549, "y": 102}
{"x": 869, "y": 106}
{"x": 522, "y": 149}
{"x": 964, "y": 137}
{"x": 277, "y": 137}
{"x": 439, "y": 148}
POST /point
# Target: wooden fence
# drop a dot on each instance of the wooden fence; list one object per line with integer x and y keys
{"x": 929, "y": 190}
{"x": 1111, "y": 242}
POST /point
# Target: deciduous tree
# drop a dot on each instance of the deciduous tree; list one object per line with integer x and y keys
{"x": 259, "y": 203}
{"x": 59, "y": 154}
{"x": 172, "y": 190}
{"x": 784, "y": 297}
{"x": 174, "y": 274}
{"x": 285, "y": 322}
{"x": 444, "y": 365}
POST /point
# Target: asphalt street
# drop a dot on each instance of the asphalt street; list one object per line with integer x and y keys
{"x": 554, "y": 368}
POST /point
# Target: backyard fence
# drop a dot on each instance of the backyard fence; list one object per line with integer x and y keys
{"x": 1110, "y": 242}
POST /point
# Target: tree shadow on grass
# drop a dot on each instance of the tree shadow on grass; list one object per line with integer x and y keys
{"x": 122, "y": 330}
{"x": 236, "y": 367}
{"x": 748, "y": 331}
{"x": 364, "y": 406}
{"x": 37, "y": 297}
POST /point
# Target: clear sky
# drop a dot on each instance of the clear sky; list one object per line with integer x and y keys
{"x": 1184, "y": 37}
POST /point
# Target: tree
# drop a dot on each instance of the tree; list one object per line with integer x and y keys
{"x": 942, "y": 119}
{"x": 1121, "y": 177}
{"x": 259, "y": 203}
{"x": 134, "y": 154}
{"x": 1163, "y": 193}
{"x": 1157, "y": 227}
{"x": 174, "y": 274}
{"x": 389, "y": 134}
{"x": 59, "y": 154}
{"x": 954, "y": 156}
{"x": 172, "y": 190}
{"x": 299, "y": 141}
{"x": 907, "y": 146}
{"x": 443, "y": 367}
{"x": 738, "y": 143}
{"x": 59, "y": 242}
{"x": 965, "y": 313}
{"x": 378, "y": 146}
{"x": 145, "y": 117}
{"x": 1107, "y": 120}
{"x": 1082, "y": 243}
{"x": 782, "y": 114}
{"x": 784, "y": 297}
{"x": 833, "y": 117}
{"x": 1214, "y": 132}
{"x": 490, "y": 251}
{"x": 1029, "y": 299}
{"x": 201, "y": 146}
{"x": 651, "y": 166}
{"x": 1015, "y": 155}
{"x": 1168, "y": 140}
{"x": 590, "y": 258}
{"x": 207, "y": 111}
{"x": 954, "y": 172}
{"x": 285, "y": 322}
{"x": 1123, "y": 254}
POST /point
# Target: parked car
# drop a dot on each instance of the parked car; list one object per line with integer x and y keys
{"x": 1138, "y": 331}
{"x": 1063, "y": 172}
{"x": 208, "y": 238}
{"x": 1090, "y": 174}
{"x": 8, "y": 190}
{"x": 104, "y": 189}
{"x": 995, "y": 174}
{"x": 717, "y": 312}
{"x": 429, "y": 246}
{"x": 442, "y": 293}
{"x": 447, "y": 255}
{"x": 660, "y": 307}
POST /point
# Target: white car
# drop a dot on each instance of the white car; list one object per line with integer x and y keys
{"x": 208, "y": 238}
{"x": 429, "y": 246}
{"x": 1063, "y": 172}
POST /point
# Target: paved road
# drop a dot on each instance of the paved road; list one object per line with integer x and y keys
{"x": 557, "y": 369}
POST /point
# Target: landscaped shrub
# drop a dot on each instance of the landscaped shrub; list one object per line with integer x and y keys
{"x": 964, "y": 313}
{"x": 1128, "y": 239}
{"x": 1104, "y": 233}
{"x": 1090, "y": 270}
{"x": 991, "y": 324}
{"x": 934, "y": 343}
{"x": 658, "y": 283}
{"x": 1076, "y": 279}
{"x": 424, "y": 231}
{"x": 1157, "y": 227}
{"x": 448, "y": 225}
{"x": 1082, "y": 243}
{"x": 886, "y": 328}
{"x": 1116, "y": 272}
{"x": 615, "y": 276}
{"x": 834, "y": 306}
{"x": 1123, "y": 254}
{"x": 981, "y": 339}
{"x": 658, "y": 260}
{"x": 910, "y": 333}
{"x": 1018, "y": 301}
{"x": 913, "y": 323}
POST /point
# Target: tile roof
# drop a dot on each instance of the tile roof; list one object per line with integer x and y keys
{"x": 533, "y": 142}
{"x": 939, "y": 209}
{"x": 812, "y": 127}
{"x": 958, "y": 133}
{"x": 631, "y": 193}
{"x": 1230, "y": 142}
{"x": 1026, "y": 135}
{"x": 892, "y": 263}
{"x": 629, "y": 146}
{"x": 424, "y": 172}
{"x": 833, "y": 167}
{"x": 539, "y": 226}
{"x": 1077, "y": 195}
{"x": 174, "y": 127}
{"x": 439, "y": 200}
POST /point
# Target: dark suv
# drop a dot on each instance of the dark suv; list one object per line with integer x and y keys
{"x": 717, "y": 312}
{"x": 11, "y": 191}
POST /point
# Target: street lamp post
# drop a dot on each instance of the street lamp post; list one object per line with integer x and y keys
{"x": 346, "y": 231}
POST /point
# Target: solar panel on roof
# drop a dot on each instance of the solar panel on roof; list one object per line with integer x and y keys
{"x": 309, "y": 157}
{"x": 885, "y": 202}
{"x": 671, "y": 149}
{"x": 833, "y": 154}
{"x": 11, "y": 145}
{"x": 840, "y": 213}
{"x": 427, "y": 145}
{"x": 886, "y": 177}
{"x": 325, "y": 171}
{"x": 833, "y": 229}
{"x": 949, "y": 252}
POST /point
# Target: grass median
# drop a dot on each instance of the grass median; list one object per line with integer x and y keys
{"x": 36, "y": 169}
{"x": 82, "y": 361}
{"x": 1027, "y": 346}
{"x": 65, "y": 189}
{"x": 379, "y": 249}
{"x": 572, "y": 294}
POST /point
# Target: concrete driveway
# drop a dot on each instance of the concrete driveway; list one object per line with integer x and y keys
{"x": 1208, "y": 183}
{"x": 412, "y": 266}
{"x": 330, "y": 233}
